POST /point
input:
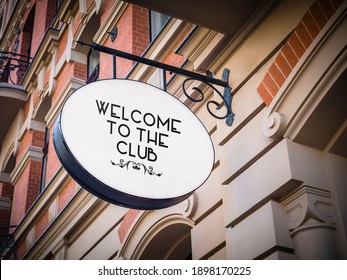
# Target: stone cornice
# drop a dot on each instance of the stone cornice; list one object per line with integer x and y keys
{"x": 66, "y": 9}
{"x": 43, "y": 54}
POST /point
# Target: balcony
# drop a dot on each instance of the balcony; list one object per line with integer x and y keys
{"x": 12, "y": 95}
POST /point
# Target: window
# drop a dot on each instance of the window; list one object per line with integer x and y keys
{"x": 93, "y": 66}
{"x": 157, "y": 22}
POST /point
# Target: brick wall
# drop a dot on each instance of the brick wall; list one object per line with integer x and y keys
{"x": 46, "y": 10}
{"x": 62, "y": 44}
{"x": 128, "y": 219}
{"x": 27, "y": 187}
{"x": 4, "y": 222}
{"x": 53, "y": 163}
{"x": 140, "y": 29}
{"x": 19, "y": 196}
{"x": 133, "y": 37}
{"x": 26, "y": 190}
{"x": 41, "y": 225}
{"x": 298, "y": 42}
{"x": 50, "y": 12}
{"x": 80, "y": 70}
{"x": 66, "y": 194}
{"x": 20, "y": 249}
{"x": 30, "y": 138}
{"x": 6, "y": 190}
{"x": 34, "y": 180}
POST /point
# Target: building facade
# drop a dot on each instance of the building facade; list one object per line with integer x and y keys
{"x": 278, "y": 189}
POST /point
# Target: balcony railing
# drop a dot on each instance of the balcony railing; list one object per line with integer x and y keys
{"x": 13, "y": 67}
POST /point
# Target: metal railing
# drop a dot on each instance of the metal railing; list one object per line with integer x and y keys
{"x": 13, "y": 67}
{"x": 7, "y": 245}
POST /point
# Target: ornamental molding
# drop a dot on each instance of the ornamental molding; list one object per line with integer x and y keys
{"x": 148, "y": 224}
{"x": 309, "y": 206}
{"x": 301, "y": 90}
{"x": 43, "y": 57}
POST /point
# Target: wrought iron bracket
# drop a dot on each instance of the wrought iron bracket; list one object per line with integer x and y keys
{"x": 192, "y": 76}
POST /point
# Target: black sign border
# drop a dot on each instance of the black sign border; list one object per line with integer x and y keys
{"x": 98, "y": 188}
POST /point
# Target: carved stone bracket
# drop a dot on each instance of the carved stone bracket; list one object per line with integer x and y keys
{"x": 189, "y": 206}
{"x": 274, "y": 125}
{"x": 308, "y": 206}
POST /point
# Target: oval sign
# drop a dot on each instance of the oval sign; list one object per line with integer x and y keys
{"x": 132, "y": 144}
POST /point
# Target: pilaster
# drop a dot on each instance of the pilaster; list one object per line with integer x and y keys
{"x": 311, "y": 222}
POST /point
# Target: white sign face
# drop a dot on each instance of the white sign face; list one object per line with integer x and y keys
{"x": 133, "y": 144}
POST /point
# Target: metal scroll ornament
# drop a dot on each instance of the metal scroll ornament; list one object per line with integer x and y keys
{"x": 226, "y": 98}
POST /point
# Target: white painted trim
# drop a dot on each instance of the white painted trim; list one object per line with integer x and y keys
{"x": 37, "y": 125}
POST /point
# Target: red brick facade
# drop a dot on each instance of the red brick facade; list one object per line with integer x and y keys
{"x": 26, "y": 190}
{"x": 64, "y": 65}
{"x": 133, "y": 37}
{"x": 298, "y": 42}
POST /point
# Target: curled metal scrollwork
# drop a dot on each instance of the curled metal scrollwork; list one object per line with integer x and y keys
{"x": 226, "y": 98}
{"x": 192, "y": 76}
{"x": 12, "y": 62}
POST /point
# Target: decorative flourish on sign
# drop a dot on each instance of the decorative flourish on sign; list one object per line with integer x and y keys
{"x": 136, "y": 166}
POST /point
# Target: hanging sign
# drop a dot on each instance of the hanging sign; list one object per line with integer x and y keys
{"x": 132, "y": 144}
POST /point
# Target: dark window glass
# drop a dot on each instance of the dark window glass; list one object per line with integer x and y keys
{"x": 157, "y": 22}
{"x": 93, "y": 66}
